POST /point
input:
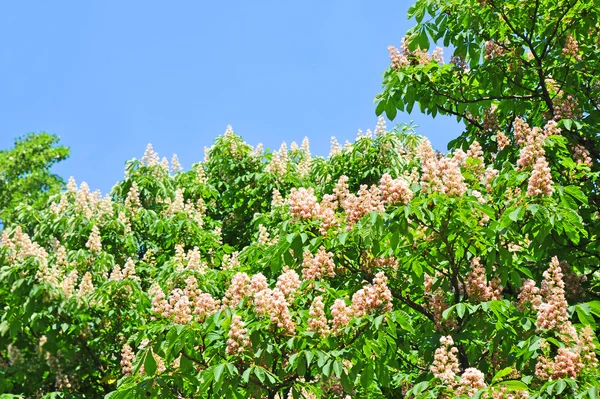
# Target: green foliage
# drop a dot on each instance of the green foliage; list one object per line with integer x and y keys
{"x": 25, "y": 176}
{"x": 385, "y": 271}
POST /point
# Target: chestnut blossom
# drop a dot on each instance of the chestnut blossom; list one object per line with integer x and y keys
{"x": 366, "y": 201}
{"x": 86, "y": 287}
{"x": 587, "y": 348}
{"x": 317, "y": 322}
{"x": 69, "y": 282}
{"x": 502, "y": 140}
{"x": 127, "y": 357}
{"x": 303, "y": 203}
{"x": 315, "y": 267}
{"x": 571, "y": 48}
{"x": 445, "y": 363}
{"x": 493, "y": 50}
{"x": 436, "y": 303}
{"x": 237, "y": 341}
{"x": 567, "y": 364}
{"x": 540, "y": 182}
{"x": 380, "y": 128}
{"x": 398, "y": 60}
{"x": 582, "y": 156}
{"x": 341, "y": 313}
{"x": 372, "y": 297}
{"x": 336, "y": 149}
{"x": 238, "y": 290}
{"x": 175, "y": 165}
{"x": 279, "y": 160}
{"x": 274, "y": 304}
{"x": 471, "y": 381}
{"x": 288, "y": 282}
{"x": 150, "y": 157}
{"x": 478, "y": 289}
{"x": 94, "y": 243}
{"x": 394, "y": 190}
{"x": 529, "y": 295}
{"x": 552, "y": 312}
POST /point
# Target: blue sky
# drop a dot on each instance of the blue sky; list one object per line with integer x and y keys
{"x": 109, "y": 77}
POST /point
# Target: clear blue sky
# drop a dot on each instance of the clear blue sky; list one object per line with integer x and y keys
{"x": 109, "y": 77}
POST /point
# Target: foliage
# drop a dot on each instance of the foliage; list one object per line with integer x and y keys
{"x": 385, "y": 271}
{"x": 25, "y": 172}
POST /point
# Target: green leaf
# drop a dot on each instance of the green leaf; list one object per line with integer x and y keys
{"x": 513, "y": 385}
{"x": 259, "y": 373}
{"x": 461, "y": 309}
{"x": 576, "y": 193}
{"x": 381, "y": 106}
{"x": 219, "y": 372}
{"x": 150, "y": 363}
{"x": 337, "y": 368}
{"x": 390, "y": 110}
{"x": 584, "y": 314}
{"x": 502, "y": 373}
{"x": 516, "y": 214}
{"x": 246, "y": 375}
{"x": 366, "y": 378}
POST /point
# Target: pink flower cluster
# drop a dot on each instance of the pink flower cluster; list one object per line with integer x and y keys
{"x": 445, "y": 362}
{"x": 274, "y": 304}
{"x": 237, "y": 341}
{"x": 371, "y": 297}
{"x": 394, "y": 190}
{"x": 132, "y": 201}
{"x": 490, "y": 119}
{"x": 540, "y": 182}
{"x": 502, "y": 140}
{"x": 440, "y": 174}
{"x": 471, "y": 381}
{"x": 238, "y": 290}
{"x": 94, "y": 243}
{"x": 279, "y": 161}
{"x": 128, "y": 271}
{"x": 435, "y": 302}
{"x": 315, "y": 267}
{"x": 569, "y": 362}
{"x": 398, "y": 60}
{"x": 317, "y": 321}
{"x": 182, "y": 305}
{"x": 478, "y": 289}
{"x": 493, "y": 50}
{"x": 571, "y": 48}
{"x": 404, "y": 57}
{"x": 86, "y": 287}
{"x": 21, "y": 247}
{"x": 127, "y": 357}
{"x": 532, "y": 140}
{"x": 367, "y": 200}
{"x": 529, "y": 295}
{"x": 552, "y": 311}
{"x": 85, "y": 202}
{"x": 288, "y": 282}
{"x": 582, "y": 156}
{"x": 303, "y": 203}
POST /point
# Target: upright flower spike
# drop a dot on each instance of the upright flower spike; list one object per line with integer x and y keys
{"x": 94, "y": 243}
{"x": 540, "y": 182}
{"x": 552, "y": 312}
{"x": 445, "y": 363}
{"x": 237, "y": 341}
{"x": 317, "y": 321}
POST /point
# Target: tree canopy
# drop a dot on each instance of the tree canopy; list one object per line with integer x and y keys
{"x": 386, "y": 270}
{"x": 25, "y": 176}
